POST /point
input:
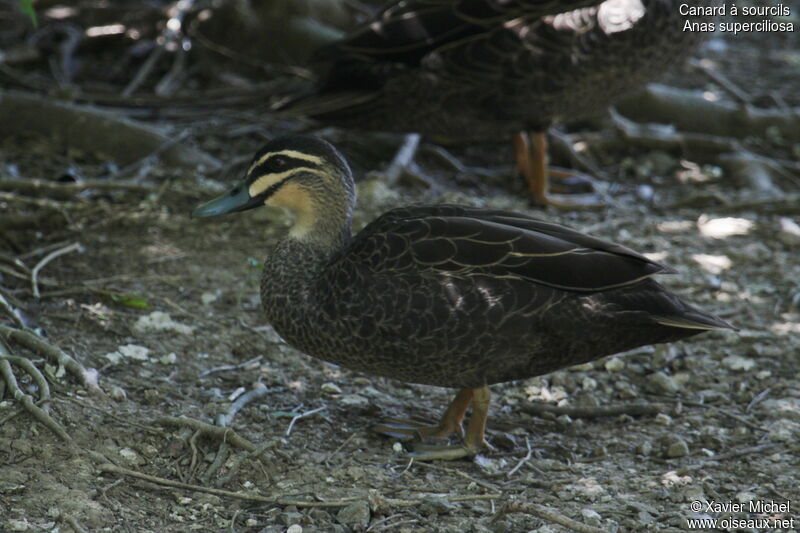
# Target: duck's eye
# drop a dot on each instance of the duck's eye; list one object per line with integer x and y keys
{"x": 279, "y": 162}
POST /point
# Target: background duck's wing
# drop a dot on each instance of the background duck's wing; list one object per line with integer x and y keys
{"x": 461, "y": 241}
{"x": 407, "y": 30}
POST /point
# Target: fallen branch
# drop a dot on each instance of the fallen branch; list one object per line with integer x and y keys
{"x": 545, "y": 513}
{"x": 86, "y": 376}
{"x": 389, "y": 502}
{"x": 692, "y": 110}
{"x": 39, "y": 414}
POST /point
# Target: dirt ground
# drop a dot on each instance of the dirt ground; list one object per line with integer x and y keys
{"x": 166, "y": 309}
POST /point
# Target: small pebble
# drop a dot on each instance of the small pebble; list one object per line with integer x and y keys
{"x": 663, "y": 383}
{"x": 663, "y": 419}
{"x": 645, "y": 448}
{"x": 330, "y": 388}
{"x": 677, "y": 448}
{"x": 746, "y": 496}
{"x": 736, "y": 362}
{"x": 591, "y": 516}
{"x": 789, "y": 233}
{"x": 168, "y": 359}
{"x": 117, "y": 393}
{"x": 209, "y": 297}
{"x": 356, "y": 514}
{"x": 615, "y": 364}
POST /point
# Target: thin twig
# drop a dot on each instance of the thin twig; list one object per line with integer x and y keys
{"x": 730, "y": 455}
{"x": 74, "y": 247}
{"x": 757, "y": 398}
{"x": 224, "y": 368}
{"x": 223, "y": 452}
{"x": 545, "y": 513}
{"x": 211, "y": 430}
{"x": 459, "y": 473}
{"x": 303, "y": 415}
{"x": 403, "y": 158}
{"x": 255, "y": 454}
{"x": 113, "y": 469}
{"x": 44, "y": 203}
{"x": 731, "y": 88}
{"x": 338, "y": 448}
{"x": 74, "y": 524}
{"x": 71, "y": 188}
{"x": 635, "y": 409}
{"x": 523, "y": 460}
{"x": 741, "y": 420}
{"x": 259, "y": 391}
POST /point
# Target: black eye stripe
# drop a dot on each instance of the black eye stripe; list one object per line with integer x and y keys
{"x": 283, "y": 162}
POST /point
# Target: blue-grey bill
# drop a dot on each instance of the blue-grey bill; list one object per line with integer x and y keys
{"x": 238, "y": 199}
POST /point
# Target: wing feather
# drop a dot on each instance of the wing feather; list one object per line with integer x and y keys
{"x": 462, "y": 240}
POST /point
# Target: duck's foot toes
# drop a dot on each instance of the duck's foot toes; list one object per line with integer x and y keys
{"x": 566, "y": 181}
{"x": 572, "y": 201}
{"x": 399, "y": 429}
{"x": 403, "y": 429}
{"x": 424, "y": 452}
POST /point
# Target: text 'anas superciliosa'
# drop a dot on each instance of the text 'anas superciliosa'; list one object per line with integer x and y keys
{"x": 444, "y": 295}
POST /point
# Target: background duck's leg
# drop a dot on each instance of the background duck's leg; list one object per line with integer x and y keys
{"x": 521, "y": 153}
{"x": 533, "y": 166}
{"x": 474, "y": 440}
{"x": 449, "y": 423}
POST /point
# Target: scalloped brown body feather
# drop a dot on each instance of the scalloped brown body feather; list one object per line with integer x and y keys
{"x": 464, "y": 297}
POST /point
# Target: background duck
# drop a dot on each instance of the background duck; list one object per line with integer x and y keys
{"x": 478, "y": 70}
{"x": 444, "y": 295}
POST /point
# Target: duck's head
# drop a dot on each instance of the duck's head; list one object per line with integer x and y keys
{"x": 304, "y": 174}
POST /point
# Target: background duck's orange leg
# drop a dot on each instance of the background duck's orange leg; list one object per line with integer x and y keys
{"x": 530, "y": 151}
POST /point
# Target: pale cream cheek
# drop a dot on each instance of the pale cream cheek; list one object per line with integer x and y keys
{"x": 297, "y": 200}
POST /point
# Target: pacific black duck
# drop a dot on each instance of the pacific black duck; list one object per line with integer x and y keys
{"x": 444, "y": 295}
{"x": 477, "y": 70}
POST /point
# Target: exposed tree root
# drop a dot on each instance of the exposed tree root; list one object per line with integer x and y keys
{"x": 93, "y": 130}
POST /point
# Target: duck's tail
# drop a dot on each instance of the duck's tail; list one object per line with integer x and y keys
{"x": 693, "y": 318}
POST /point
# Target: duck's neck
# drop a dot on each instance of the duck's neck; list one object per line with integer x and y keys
{"x": 291, "y": 272}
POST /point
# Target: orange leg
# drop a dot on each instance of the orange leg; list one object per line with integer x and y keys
{"x": 450, "y": 422}
{"x": 531, "y": 156}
